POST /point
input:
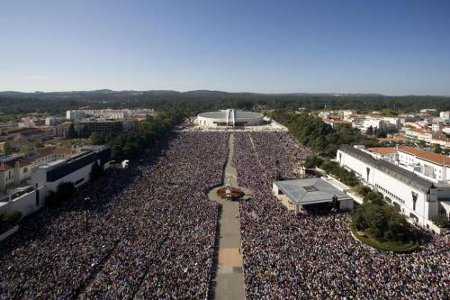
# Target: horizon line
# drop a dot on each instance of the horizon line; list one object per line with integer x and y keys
{"x": 228, "y": 92}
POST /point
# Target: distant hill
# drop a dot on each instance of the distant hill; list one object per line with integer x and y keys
{"x": 109, "y": 92}
{"x": 203, "y": 100}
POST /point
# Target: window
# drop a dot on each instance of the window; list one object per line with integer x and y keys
{"x": 25, "y": 170}
{"x": 79, "y": 181}
{"x": 414, "y": 198}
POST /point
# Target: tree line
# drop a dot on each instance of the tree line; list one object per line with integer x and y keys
{"x": 324, "y": 139}
{"x": 197, "y": 101}
{"x": 145, "y": 134}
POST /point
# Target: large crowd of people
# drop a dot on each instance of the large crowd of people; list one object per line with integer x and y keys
{"x": 313, "y": 256}
{"x": 149, "y": 232}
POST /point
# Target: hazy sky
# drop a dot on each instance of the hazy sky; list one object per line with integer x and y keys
{"x": 391, "y": 47}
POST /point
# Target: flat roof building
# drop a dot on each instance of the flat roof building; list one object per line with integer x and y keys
{"x": 415, "y": 196}
{"x": 296, "y": 194}
{"x": 230, "y": 117}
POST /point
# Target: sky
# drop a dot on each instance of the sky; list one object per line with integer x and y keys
{"x": 395, "y": 47}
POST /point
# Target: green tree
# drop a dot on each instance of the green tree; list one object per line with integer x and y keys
{"x": 94, "y": 138}
{"x": 52, "y": 200}
{"x": 72, "y": 133}
{"x": 84, "y": 131}
{"x": 9, "y": 220}
{"x": 382, "y": 221}
{"x": 441, "y": 220}
{"x": 7, "y": 148}
{"x": 437, "y": 149}
{"x": 96, "y": 172}
{"x": 312, "y": 162}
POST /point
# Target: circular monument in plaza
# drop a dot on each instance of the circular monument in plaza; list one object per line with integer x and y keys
{"x": 229, "y": 192}
{"x": 230, "y": 117}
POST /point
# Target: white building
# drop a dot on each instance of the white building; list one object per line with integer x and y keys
{"x": 49, "y": 176}
{"x": 347, "y": 114}
{"x": 445, "y": 115}
{"x": 53, "y": 121}
{"x": 15, "y": 170}
{"x": 229, "y": 117}
{"x": 417, "y": 134}
{"x": 116, "y": 114}
{"x": 386, "y": 153}
{"x": 363, "y": 122}
{"x": 437, "y": 127}
{"x": 432, "y": 166}
{"x": 76, "y": 170}
{"x": 24, "y": 199}
{"x": 75, "y": 115}
{"x": 419, "y": 199}
{"x": 299, "y": 194}
{"x": 428, "y": 110}
{"x": 374, "y": 123}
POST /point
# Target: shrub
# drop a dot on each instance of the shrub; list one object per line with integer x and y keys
{"x": 52, "y": 200}
{"x": 12, "y": 217}
{"x": 386, "y": 246}
{"x": 381, "y": 221}
{"x": 64, "y": 191}
{"x": 312, "y": 162}
{"x": 362, "y": 190}
{"x": 348, "y": 178}
{"x": 442, "y": 221}
{"x": 96, "y": 172}
{"x": 9, "y": 220}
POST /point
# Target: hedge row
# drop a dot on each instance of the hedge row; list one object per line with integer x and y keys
{"x": 385, "y": 246}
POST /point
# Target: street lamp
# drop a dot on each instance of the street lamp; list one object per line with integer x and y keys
{"x": 86, "y": 203}
{"x": 334, "y": 200}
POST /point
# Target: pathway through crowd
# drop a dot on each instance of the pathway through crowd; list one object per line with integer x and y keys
{"x": 229, "y": 279}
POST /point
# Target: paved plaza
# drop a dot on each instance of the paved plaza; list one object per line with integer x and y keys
{"x": 229, "y": 281}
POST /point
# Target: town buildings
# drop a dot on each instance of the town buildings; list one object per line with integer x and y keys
{"x": 422, "y": 126}
{"x": 27, "y": 180}
{"x": 411, "y": 180}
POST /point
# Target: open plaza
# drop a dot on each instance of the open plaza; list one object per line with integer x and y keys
{"x": 151, "y": 231}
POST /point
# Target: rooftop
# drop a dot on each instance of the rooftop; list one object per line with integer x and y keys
{"x": 383, "y": 150}
{"x": 435, "y": 158}
{"x": 239, "y": 114}
{"x": 397, "y": 172}
{"x": 310, "y": 191}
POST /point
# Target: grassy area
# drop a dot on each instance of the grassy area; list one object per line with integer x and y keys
{"x": 385, "y": 246}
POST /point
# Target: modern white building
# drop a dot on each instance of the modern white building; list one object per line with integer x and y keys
{"x": 298, "y": 194}
{"x": 229, "y": 117}
{"x": 15, "y": 170}
{"x": 49, "y": 176}
{"x": 416, "y": 197}
{"x": 76, "y": 170}
{"x": 386, "y": 153}
{"x": 24, "y": 199}
{"x": 75, "y": 115}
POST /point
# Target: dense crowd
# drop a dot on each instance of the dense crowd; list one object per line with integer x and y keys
{"x": 314, "y": 256}
{"x": 148, "y": 232}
